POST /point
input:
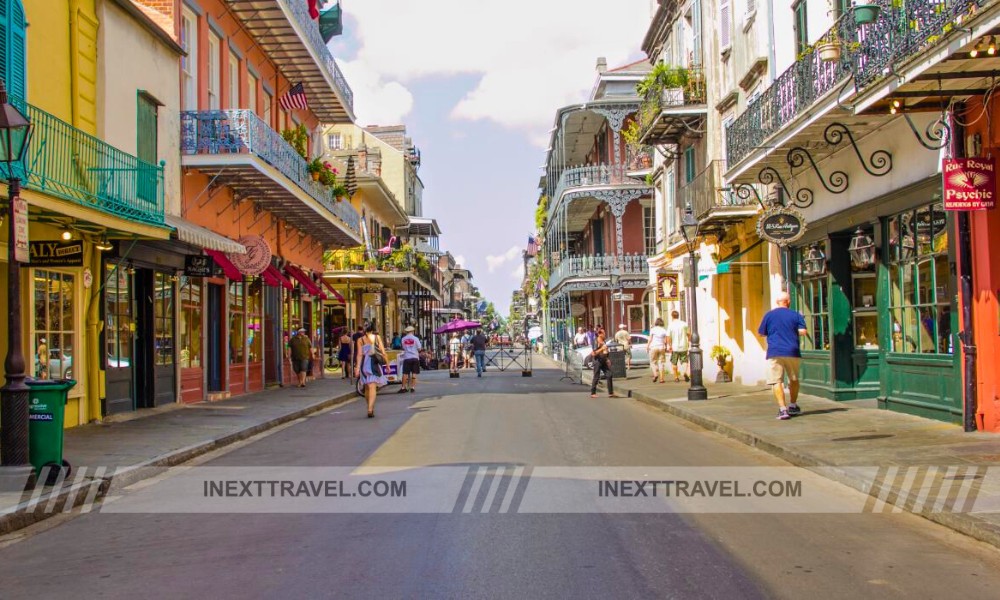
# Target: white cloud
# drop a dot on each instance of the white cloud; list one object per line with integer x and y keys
{"x": 494, "y": 262}
{"x": 460, "y": 260}
{"x": 518, "y": 273}
{"x": 376, "y": 100}
{"x": 531, "y": 57}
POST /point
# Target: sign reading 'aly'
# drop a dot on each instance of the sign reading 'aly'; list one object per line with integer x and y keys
{"x": 780, "y": 225}
{"x": 969, "y": 183}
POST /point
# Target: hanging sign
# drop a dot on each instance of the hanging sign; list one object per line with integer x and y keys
{"x": 21, "y": 250}
{"x": 668, "y": 287}
{"x": 781, "y": 225}
{"x": 56, "y": 253}
{"x": 257, "y": 258}
{"x": 969, "y": 183}
{"x": 199, "y": 266}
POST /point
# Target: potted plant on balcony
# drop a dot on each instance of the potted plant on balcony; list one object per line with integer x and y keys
{"x": 721, "y": 355}
{"x": 315, "y": 168}
{"x": 829, "y": 48}
{"x": 298, "y": 138}
{"x": 865, "y": 13}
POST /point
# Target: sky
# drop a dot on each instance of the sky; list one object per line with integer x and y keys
{"x": 477, "y": 84}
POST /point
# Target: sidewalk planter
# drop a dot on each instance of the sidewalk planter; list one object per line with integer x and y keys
{"x": 865, "y": 13}
{"x": 829, "y": 51}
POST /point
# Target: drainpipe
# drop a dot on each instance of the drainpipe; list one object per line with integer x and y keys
{"x": 771, "y": 67}
{"x": 967, "y": 335}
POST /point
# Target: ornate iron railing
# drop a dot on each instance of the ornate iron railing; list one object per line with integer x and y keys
{"x": 707, "y": 192}
{"x": 659, "y": 97}
{"x": 300, "y": 11}
{"x": 68, "y": 163}
{"x": 903, "y": 29}
{"x": 598, "y": 265}
{"x": 243, "y": 132}
{"x": 593, "y": 175}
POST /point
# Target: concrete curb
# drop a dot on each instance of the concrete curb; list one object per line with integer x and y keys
{"x": 964, "y": 523}
{"x": 65, "y": 496}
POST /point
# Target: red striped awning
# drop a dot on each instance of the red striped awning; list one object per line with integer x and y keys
{"x": 228, "y": 268}
{"x": 302, "y": 278}
{"x": 333, "y": 291}
{"x": 273, "y": 277}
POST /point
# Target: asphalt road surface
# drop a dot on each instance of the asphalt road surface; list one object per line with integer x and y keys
{"x": 507, "y": 420}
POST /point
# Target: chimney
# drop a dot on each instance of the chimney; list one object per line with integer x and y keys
{"x": 602, "y": 65}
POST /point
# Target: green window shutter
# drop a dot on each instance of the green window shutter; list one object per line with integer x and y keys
{"x": 15, "y": 51}
{"x": 4, "y": 29}
{"x": 689, "y": 166}
{"x": 146, "y": 125}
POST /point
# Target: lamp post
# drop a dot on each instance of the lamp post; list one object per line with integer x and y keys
{"x": 689, "y": 229}
{"x": 615, "y": 281}
{"x": 15, "y": 133}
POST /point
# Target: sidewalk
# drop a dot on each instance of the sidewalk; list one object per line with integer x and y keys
{"x": 925, "y": 467}
{"x": 134, "y": 448}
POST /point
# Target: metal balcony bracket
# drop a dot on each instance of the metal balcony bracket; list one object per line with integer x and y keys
{"x": 802, "y": 198}
{"x": 878, "y": 164}
{"x": 616, "y": 118}
{"x": 743, "y": 191}
{"x": 239, "y": 216}
{"x": 666, "y": 152}
{"x": 838, "y": 180}
{"x": 618, "y": 201}
{"x": 937, "y": 135}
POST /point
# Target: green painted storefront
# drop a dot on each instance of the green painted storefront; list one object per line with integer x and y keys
{"x": 877, "y": 287}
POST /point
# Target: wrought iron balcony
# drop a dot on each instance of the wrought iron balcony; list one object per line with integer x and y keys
{"x": 244, "y": 153}
{"x": 594, "y": 176}
{"x": 286, "y": 32}
{"x": 712, "y": 202}
{"x": 668, "y": 113}
{"x": 869, "y": 52}
{"x": 597, "y": 266}
{"x": 71, "y": 164}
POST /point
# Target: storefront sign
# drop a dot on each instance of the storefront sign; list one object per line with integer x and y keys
{"x": 668, "y": 287}
{"x": 622, "y": 297}
{"x": 199, "y": 266}
{"x": 257, "y": 258}
{"x": 56, "y": 254}
{"x": 781, "y": 225}
{"x": 969, "y": 183}
{"x": 21, "y": 251}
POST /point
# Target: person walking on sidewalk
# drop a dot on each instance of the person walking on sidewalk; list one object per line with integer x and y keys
{"x": 656, "y": 348}
{"x": 455, "y": 351}
{"x": 580, "y": 339}
{"x": 602, "y": 364}
{"x": 344, "y": 354}
{"x": 625, "y": 341}
{"x": 678, "y": 340}
{"x": 411, "y": 359}
{"x": 300, "y": 353}
{"x": 783, "y": 328}
{"x": 371, "y": 372}
{"x": 479, "y": 351}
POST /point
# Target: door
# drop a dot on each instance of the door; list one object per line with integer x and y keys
{"x": 213, "y": 350}
{"x": 272, "y": 335}
{"x": 597, "y": 232}
{"x": 119, "y": 331}
{"x": 155, "y": 377}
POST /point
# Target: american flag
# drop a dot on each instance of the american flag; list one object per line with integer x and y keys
{"x": 295, "y": 98}
{"x": 532, "y": 246}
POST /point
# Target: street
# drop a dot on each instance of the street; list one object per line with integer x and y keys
{"x": 502, "y": 418}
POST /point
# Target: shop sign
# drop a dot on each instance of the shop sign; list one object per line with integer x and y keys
{"x": 781, "y": 225}
{"x": 257, "y": 258}
{"x": 969, "y": 183}
{"x": 622, "y": 297}
{"x": 21, "y": 250}
{"x": 199, "y": 266}
{"x": 56, "y": 253}
{"x": 668, "y": 286}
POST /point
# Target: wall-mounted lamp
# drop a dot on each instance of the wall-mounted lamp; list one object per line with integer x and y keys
{"x": 67, "y": 235}
{"x": 862, "y": 250}
{"x": 895, "y": 106}
{"x": 814, "y": 262}
{"x": 103, "y": 244}
{"x": 992, "y": 48}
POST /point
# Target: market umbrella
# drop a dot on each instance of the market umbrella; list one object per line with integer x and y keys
{"x": 350, "y": 178}
{"x": 457, "y": 325}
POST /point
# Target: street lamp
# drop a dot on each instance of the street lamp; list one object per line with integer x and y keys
{"x": 615, "y": 281}
{"x": 689, "y": 229}
{"x": 15, "y": 133}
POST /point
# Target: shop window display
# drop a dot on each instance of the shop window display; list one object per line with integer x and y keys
{"x": 190, "y": 327}
{"x": 163, "y": 319}
{"x": 811, "y": 295}
{"x": 54, "y": 325}
{"x": 237, "y": 320}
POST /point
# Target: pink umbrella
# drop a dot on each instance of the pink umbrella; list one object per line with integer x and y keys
{"x": 457, "y": 325}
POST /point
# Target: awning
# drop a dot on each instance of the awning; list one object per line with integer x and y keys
{"x": 273, "y": 277}
{"x": 302, "y": 278}
{"x": 333, "y": 291}
{"x": 202, "y": 237}
{"x": 227, "y": 267}
{"x": 725, "y": 264}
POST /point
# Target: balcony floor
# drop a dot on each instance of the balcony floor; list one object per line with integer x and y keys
{"x": 675, "y": 123}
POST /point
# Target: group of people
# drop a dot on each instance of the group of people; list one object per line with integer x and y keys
{"x": 364, "y": 354}
{"x": 462, "y": 351}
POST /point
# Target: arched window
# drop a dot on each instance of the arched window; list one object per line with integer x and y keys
{"x": 12, "y": 47}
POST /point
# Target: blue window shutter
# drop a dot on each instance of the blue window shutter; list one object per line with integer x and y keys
{"x": 17, "y": 81}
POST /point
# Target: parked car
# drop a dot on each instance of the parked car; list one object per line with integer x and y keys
{"x": 60, "y": 365}
{"x": 640, "y": 357}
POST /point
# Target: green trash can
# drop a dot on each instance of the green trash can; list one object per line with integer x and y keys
{"x": 46, "y": 411}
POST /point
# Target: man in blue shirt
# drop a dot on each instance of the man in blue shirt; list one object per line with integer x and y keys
{"x": 783, "y": 327}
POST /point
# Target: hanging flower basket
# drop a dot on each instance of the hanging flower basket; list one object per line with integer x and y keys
{"x": 829, "y": 51}
{"x": 865, "y": 13}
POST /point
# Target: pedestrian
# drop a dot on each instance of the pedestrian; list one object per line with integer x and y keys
{"x": 454, "y": 351}
{"x": 466, "y": 350}
{"x": 479, "y": 351}
{"x": 411, "y": 359}
{"x": 591, "y": 335}
{"x": 783, "y": 328}
{"x": 602, "y": 364}
{"x": 371, "y": 368}
{"x": 300, "y": 353}
{"x": 625, "y": 341}
{"x": 344, "y": 354}
{"x": 678, "y": 343}
{"x": 357, "y": 335}
{"x": 397, "y": 341}
{"x": 656, "y": 347}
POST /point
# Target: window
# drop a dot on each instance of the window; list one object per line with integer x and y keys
{"x": 649, "y": 230}
{"x": 334, "y": 141}
{"x": 268, "y": 102}
{"x": 696, "y": 33}
{"x": 690, "y": 165}
{"x": 920, "y": 281}
{"x": 841, "y": 8}
{"x": 671, "y": 203}
{"x": 214, "y": 71}
{"x": 252, "y": 93}
{"x": 163, "y": 318}
{"x": 234, "y": 80}
{"x": 189, "y": 63}
{"x": 237, "y": 320}
{"x": 118, "y": 323}
{"x": 190, "y": 328}
{"x": 12, "y": 47}
{"x": 55, "y": 326}
{"x": 725, "y": 23}
{"x": 255, "y": 310}
{"x": 800, "y": 27}
{"x": 727, "y": 120}
{"x": 811, "y": 301}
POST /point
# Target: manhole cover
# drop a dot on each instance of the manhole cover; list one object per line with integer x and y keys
{"x": 858, "y": 438}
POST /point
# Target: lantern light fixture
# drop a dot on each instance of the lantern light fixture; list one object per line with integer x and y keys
{"x": 814, "y": 262}
{"x": 862, "y": 250}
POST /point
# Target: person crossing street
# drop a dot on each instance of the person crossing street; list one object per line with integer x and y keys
{"x": 411, "y": 360}
{"x": 602, "y": 364}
